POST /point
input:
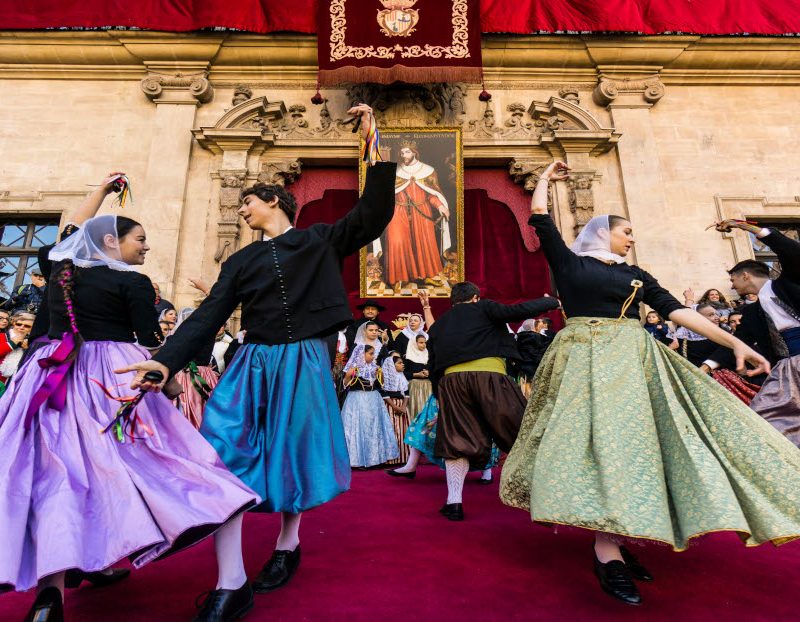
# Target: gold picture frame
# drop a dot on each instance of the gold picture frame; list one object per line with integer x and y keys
{"x": 423, "y": 246}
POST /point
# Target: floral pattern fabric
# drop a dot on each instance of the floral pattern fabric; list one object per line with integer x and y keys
{"x": 624, "y": 436}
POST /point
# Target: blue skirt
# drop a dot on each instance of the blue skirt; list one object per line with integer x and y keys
{"x": 368, "y": 429}
{"x": 275, "y": 422}
{"x": 421, "y": 435}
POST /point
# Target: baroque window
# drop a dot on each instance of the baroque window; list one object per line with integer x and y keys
{"x": 20, "y": 239}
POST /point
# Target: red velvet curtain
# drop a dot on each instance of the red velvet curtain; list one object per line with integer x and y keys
{"x": 520, "y": 16}
{"x": 496, "y": 258}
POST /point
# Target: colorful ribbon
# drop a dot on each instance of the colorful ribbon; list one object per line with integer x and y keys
{"x": 372, "y": 143}
{"x": 198, "y": 382}
{"x": 54, "y": 389}
{"x": 122, "y": 185}
{"x": 126, "y": 418}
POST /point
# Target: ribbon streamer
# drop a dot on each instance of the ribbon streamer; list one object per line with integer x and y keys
{"x": 122, "y": 185}
{"x": 126, "y": 418}
{"x": 372, "y": 143}
{"x": 54, "y": 389}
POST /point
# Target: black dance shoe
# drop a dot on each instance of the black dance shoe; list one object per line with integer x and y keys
{"x": 74, "y": 578}
{"x": 638, "y": 572}
{"x": 225, "y": 605}
{"x": 277, "y": 571}
{"x": 615, "y": 579}
{"x": 453, "y": 511}
{"x": 486, "y": 482}
{"x": 47, "y": 607}
{"x": 394, "y": 473}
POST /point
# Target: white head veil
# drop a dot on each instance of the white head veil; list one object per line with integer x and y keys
{"x": 594, "y": 240}
{"x": 528, "y": 326}
{"x": 367, "y": 371}
{"x": 87, "y": 249}
{"x": 412, "y": 334}
{"x": 393, "y": 380}
{"x": 413, "y": 353}
{"x": 361, "y": 338}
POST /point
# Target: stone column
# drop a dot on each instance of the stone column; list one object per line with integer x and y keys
{"x": 176, "y": 97}
{"x": 630, "y": 98}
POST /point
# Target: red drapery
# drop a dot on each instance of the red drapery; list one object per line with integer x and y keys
{"x": 496, "y": 258}
{"x": 768, "y": 17}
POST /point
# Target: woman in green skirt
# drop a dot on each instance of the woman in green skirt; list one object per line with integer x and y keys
{"x": 625, "y": 437}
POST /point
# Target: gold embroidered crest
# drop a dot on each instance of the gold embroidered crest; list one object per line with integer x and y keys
{"x": 398, "y": 19}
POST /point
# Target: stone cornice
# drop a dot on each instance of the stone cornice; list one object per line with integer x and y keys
{"x": 290, "y": 58}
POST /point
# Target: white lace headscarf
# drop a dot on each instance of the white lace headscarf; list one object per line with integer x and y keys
{"x": 94, "y": 244}
{"x": 594, "y": 240}
{"x": 393, "y": 380}
{"x": 367, "y": 371}
{"x": 361, "y": 338}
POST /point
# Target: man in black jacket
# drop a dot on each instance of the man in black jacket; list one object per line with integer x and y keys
{"x": 478, "y": 403}
{"x": 771, "y": 326}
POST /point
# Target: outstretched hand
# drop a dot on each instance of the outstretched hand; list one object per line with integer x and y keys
{"x": 108, "y": 183}
{"x": 745, "y": 353}
{"x": 365, "y": 113}
{"x": 725, "y": 226}
{"x": 141, "y": 369}
{"x": 424, "y": 297}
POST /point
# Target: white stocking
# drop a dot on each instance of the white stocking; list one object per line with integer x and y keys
{"x": 412, "y": 462}
{"x": 486, "y": 473}
{"x": 456, "y": 471}
{"x": 228, "y": 545}
{"x": 289, "y": 537}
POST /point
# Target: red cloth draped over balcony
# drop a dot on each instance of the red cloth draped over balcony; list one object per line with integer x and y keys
{"x": 767, "y": 17}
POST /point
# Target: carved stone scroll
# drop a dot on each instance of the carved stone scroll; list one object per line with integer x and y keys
{"x": 178, "y": 88}
{"x": 283, "y": 172}
{"x": 608, "y": 89}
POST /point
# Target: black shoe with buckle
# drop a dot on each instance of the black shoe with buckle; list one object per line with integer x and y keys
{"x": 638, "y": 572}
{"x": 615, "y": 579}
{"x": 224, "y": 605}
{"x": 453, "y": 511}
{"x": 73, "y": 578}
{"x": 48, "y": 607}
{"x": 277, "y": 571}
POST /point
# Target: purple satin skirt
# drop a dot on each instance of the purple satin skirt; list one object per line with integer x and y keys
{"x": 72, "y": 496}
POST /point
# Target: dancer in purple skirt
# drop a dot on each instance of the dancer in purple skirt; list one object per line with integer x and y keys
{"x": 78, "y": 492}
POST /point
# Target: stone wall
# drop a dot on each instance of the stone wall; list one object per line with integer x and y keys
{"x": 673, "y": 132}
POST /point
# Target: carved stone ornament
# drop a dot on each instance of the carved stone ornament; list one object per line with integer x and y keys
{"x": 228, "y": 224}
{"x": 241, "y": 93}
{"x": 608, "y": 89}
{"x": 527, "y": 172}
{"x": 412, "y": 105}
{"x": 486, "y": 126}
{"x": 178, "y": 88}
{"x": 283, "y": 172}
{"x": 516, "y": 126}
{"x": 581, "y": 199}
{"x": 570, "y": 94}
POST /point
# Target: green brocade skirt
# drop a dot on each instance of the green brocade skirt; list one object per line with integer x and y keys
{"x": 624, "y": 436}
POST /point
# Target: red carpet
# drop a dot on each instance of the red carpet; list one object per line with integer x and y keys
{"x": 382, "y": 552}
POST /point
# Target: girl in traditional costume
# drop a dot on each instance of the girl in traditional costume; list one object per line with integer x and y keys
{"x": 87, "y": 482}
{"x": 395, "y": 394}
{"x": 367, "y": 427}
{"x": 625, "y": 437}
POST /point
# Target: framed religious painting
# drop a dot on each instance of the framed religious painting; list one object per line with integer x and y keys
{"x": 423, "y": 246}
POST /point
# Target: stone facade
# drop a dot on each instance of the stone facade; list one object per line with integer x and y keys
{"x": 660, "y": 129}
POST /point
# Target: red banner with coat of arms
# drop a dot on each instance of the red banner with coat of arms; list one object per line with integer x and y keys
{"x": 409, "y": 40}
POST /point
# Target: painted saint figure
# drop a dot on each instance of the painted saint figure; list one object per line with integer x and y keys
{"x": 419, "y": 233}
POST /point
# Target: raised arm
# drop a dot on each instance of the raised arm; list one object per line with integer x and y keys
{"x": 555, "y": 250}
{"x": 787, "y": 249}
{"x": 519, "y": 312}
{"x": 91, "y": 204}
{"x": 425, "y": 298}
